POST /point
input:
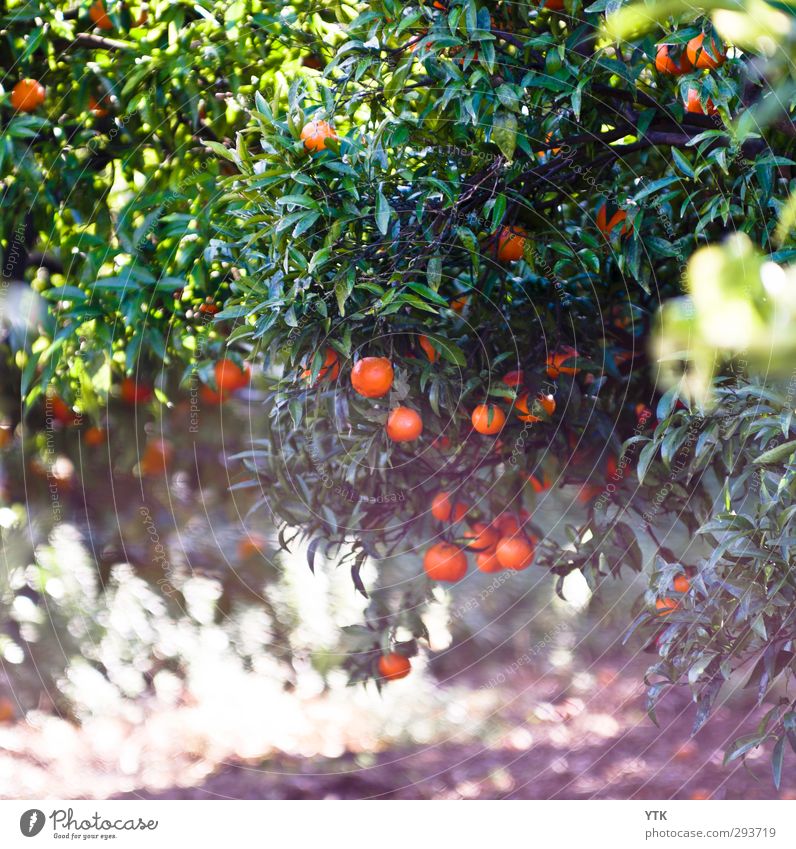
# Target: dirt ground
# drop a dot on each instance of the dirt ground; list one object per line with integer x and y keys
{"x": 539, "y": 737}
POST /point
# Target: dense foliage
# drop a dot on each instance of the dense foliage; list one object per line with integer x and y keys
{"x": 467, "y": 190}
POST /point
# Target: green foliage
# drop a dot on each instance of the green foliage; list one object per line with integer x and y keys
{"x": 449, "y": 124}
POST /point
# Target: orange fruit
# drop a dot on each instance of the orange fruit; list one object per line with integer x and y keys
{"x": 460, "y": 510}
{"x": 556, "y": 360}
{"x": 665, "y": 63}
{"x": 60, "y": 410}
{"x": 681, "y": 584}
{"x": 487, "y": 561}
{"x": 458, "y": 304}
{"x": 515, "y": 552}
{"x": 7, "y": 711}
{"x": 693, "y": 105}
{"x": 665, "y": 606}
{"x": 27, "y": 95}
{"x": 394, "y": 666}
{"x": 506, "y": 524}
{"x": 95, "y": 108}
{"x": 441, "y": 506}
{"x": 157, "y": 454}
{"x": 132, "y": 392}
{"x": 315, "y": 133}
{"x": 209, "y": 307}
{"x": 404, "y": 425}
{"x": 330, "y": 367}
{"x": 372, "y": 377}
{"x": 251, "y": 546}
{"x": 697, "y": 52}
{"x": 513, "y": 378}
{"x": 429, "y": 349}
{"x": 210, "y": 396}
{"x": 445, "y": 562}
{"x": 546, "y": 402}
{"x": 481, "y": 537}
{"x": 99, "y": 16}
{"x": 510, "y": 244}
{"x": 607, "y": 225}
{"x": 230, "y": 376}
{"x": 6, "y": 435}
{"x": 488, "y": 419}
{"x": 94, "y": 436}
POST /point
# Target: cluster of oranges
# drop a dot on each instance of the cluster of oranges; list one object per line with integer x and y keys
{"x": 489, "y": 419}
{"x": 372, "y": 377}
{"x": 666, "y": 606}
{"x": 696, "y": 56}
{"x": 502, "y": 543}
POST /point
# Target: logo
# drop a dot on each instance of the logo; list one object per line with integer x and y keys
{"x": 31, "y": 822}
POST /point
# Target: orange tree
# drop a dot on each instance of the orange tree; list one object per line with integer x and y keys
{"x": 447, "y": 252}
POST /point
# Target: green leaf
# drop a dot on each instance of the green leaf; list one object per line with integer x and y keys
{"x": 504, "y": 133}
{"x": 383, "y": 213}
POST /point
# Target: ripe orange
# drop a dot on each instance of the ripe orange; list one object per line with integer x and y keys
{"x": 250, "y": 546}
{"x": 99, "y": 16}
{"x": 95, "y": 108}
{"x": 510, "y": 244}
{"x": 693, "y": 105}
{"x": 524, "y": 414}
{"x": 665, "y": 63}
{"x": 27, "y": 95}
{"x": 488, "y": 419}
{"x": 94, "y": 436}
{"x": 458, "y": 304}
{"x": 7, "y": 711}
{"x": 556, "y": 360}
{"x": 445, "y": 562}
{"x": 157, "y": 454}
{"x": 460, "y": 510}
{"x": 372, "y": 377}
{"x": 515, "y": 552}
{"x": 60, "y": 410}
{"x": 481, "y": 537}
{"x": 487, "y": 561}
{"x": 607, "y": 225}
{"x": 315, "y": 133}
{"x": 404, "y": 425}
{"x": 230, "y": 376}
{"x": 665, "y": 606}
{"x": 698, "y": 56}
{"x": 330, "y": 367}
{"x": 441, "y": 506}
{"x": 506, "y": 524}
{"x": 394, "y": 666}
{"x": 513, "y": 378}
{"x": 429, "y": 349}
{"x": 681, "y": 584}
{"x": 210, "y": 396}
{"x": 132, "y": 392}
